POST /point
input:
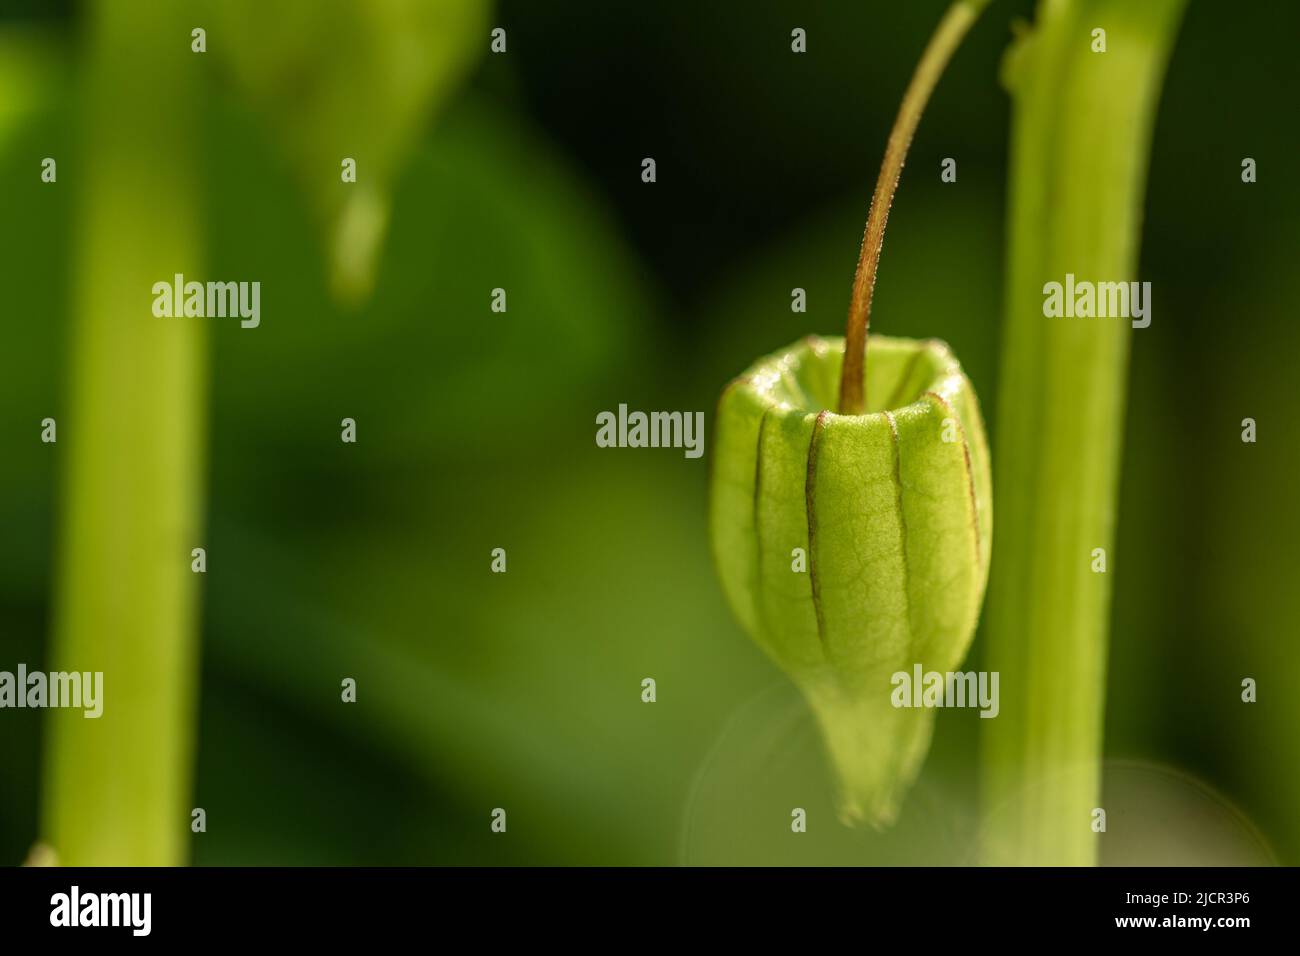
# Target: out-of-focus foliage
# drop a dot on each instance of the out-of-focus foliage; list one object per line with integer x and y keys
{"x": 356, "y": 80}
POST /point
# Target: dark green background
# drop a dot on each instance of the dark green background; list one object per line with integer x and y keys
{"x": 476, "y": 431}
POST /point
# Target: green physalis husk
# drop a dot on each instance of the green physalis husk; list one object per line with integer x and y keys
{"x": 893, "y": 512}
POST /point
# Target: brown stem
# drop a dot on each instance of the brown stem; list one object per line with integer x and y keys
{"x": 949, "y": 33}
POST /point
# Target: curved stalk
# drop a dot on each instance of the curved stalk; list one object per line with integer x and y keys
{"x": 947, "y": 36}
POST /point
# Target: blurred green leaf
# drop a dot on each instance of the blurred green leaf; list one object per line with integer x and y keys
{"x": 354, "y": 79}
{"x": 426, "y": 368}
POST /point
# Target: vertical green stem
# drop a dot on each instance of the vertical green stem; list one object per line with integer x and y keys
{"x": 117, "y": 788}
{"x": 1080, "y": 141}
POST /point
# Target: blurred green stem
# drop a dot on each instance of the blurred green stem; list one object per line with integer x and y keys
{"x": 117, "y": 788}
{"x": 1081, "y": 133}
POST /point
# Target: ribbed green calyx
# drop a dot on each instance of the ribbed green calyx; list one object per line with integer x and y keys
{"x": 892, "y": 511}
